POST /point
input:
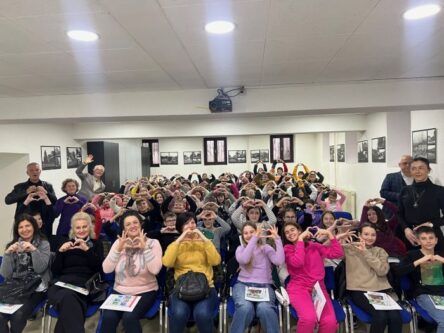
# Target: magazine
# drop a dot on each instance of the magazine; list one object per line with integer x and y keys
{"x": 118, "y": 302}
{"x": 381, "y": 301}
{"x": 9, "y": 308}
{"x": 255, "y": 294}
{"x": 438, "y": 301}
{"x": 80, "y": 290}
{"x": 319, "y": 300}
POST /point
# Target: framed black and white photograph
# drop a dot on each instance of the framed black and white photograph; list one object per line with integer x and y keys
{"x": 169, "y": 158}
{"x": 73, "y": 157}
{"x": 259, "y": 155}
{"x": 237, "y": 156}
{"x": 192, "y": 157}
{"x": 51, "y": 157}
{"x": 332, "y": 153}
{"x": 378, "y": 150}
{"x": 340, "y": 152}
{"x": 424, "y": 144}
{"x": 363, "y": 151}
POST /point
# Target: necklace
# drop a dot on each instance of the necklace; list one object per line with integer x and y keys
{"x": 416, "y": 197}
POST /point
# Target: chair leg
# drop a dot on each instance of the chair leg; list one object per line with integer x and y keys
{"x": 43, "y": 319}
{"x": 287, "y": 321}
{"x": 225, "y": 317}
{"x": 48, "y": 328}
{"x": 221, "y": 318}
{"x": 346, "y": 321}
{"x": 161, "y": 317}
{"x": 280, "y": 317}
{"x": 166, "y": 319}
{"x": 352, "y": 326}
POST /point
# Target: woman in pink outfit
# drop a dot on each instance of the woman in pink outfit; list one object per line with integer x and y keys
{"x": 305, "y": 264}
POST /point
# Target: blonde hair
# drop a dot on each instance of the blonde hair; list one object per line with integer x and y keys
{"x": 82, "y": 216}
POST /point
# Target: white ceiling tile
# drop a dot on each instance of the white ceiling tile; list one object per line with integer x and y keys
{"x": 292, "y": 73}
{"x": 181, "y": 3}
{"x": 139, "y": 78}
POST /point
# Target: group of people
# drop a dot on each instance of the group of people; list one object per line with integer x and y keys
{"x": 245, "y": 226}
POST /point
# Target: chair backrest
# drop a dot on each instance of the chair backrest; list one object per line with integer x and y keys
{"x": 329, "y": 278}
{"x": 1, "y": 277}
{"x": 345, "y": 215}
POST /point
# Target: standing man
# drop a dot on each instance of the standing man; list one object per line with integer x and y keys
{"x": 34, "y": 195}
{"x": 91, "y": 184}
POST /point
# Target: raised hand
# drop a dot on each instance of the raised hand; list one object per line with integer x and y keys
{"x": 89, "y": 158}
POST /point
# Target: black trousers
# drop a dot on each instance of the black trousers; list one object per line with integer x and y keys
{"x": 380, "y": 318}
{"x": 17, "y": 320}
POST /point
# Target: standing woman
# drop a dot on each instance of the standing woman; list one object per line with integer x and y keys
{"x": 27, "y": 252}
{"x": 422, "y": 202}
{"x": 76, "y": 261}
{"x": 192, "y": 251}
{"x": 136, "y": 260}
{"x": 91, "y": 184}
{"x": 255, "y": 262}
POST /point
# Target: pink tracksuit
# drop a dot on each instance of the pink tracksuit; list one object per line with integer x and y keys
{"x": 305, "y": 264}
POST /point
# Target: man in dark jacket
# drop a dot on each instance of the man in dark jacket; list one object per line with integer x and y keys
{"x": 33, "y": 196}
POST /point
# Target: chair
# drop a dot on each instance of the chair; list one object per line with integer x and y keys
{"x": 415, "y": 309}
{"x": 345, "y": 215}
{"x": 53, "y": 313}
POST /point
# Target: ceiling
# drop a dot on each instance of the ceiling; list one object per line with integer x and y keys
{"x": 149, "y": 45}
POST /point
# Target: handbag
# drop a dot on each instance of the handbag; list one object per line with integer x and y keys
{"x": 192, "y": 287}
{"x": 18, "y": 290}
{"x": 97, "y": 288}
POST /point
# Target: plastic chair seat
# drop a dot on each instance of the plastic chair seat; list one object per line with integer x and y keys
{"x": 90, "y": 311}
{"x": 423, "y": 313}
{"x": 367, "y": 318}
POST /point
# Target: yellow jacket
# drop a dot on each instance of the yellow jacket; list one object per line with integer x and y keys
{"x": 196, "y": 256}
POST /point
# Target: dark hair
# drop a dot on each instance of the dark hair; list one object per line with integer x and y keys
{"x": 254, "y": 207}
{"x": 182, "y": 219}
{"x": 425, "y": 230}
{"x": 20, "y": 218}
{"x": 286, "y": 224}
{"x": 367, "y": 225}
{"x": 247, "y": 224}
{"x": 423, "y": 160}
{"x": 380, "y": 223}
{"x": 322, "y": 218}
{"x": 126, "y": 214}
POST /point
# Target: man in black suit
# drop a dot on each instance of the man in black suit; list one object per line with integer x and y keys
{"x": 394, "y": 182}
{"x": 34, "y": 195}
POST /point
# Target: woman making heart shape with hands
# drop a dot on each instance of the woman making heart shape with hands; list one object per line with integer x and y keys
{"x": 136, "y": 260}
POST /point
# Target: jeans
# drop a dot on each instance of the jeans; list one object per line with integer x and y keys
{"x": 180, "y": 312}
{"x": 130, "y": 320}
{"x": 246, "y": 310}
{"x": 438, "y": 315}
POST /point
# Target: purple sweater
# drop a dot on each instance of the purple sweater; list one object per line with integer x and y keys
{"x": 67, "y": 211}
{"x": 256, "y": 261}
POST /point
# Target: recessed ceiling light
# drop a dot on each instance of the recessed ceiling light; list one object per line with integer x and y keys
{"x": 83, "y": 35}
{"x": 420, "y": 12}
{"x": 219, "y": 27}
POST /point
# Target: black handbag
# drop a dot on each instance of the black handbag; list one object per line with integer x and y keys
{"x": 18, "y": 290}
{"x": 97, "y": 288}
{"x": 192, "y": 287}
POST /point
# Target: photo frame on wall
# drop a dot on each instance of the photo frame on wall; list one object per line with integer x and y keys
{"x": 332, "y": 153}
{"x": 424, "y": 144}
{"x": 73, "y": 157}
{"x": 51, "y": 157}
{"x": 363, "y": 151}
{"x": 259, "y": 155}
{"x": 378, "y": 150}
{"x": 237, "y": 156}
{"x": 340, "y": 152}
{"x": 192, "y": 157}
{"x": 169, "y": 158}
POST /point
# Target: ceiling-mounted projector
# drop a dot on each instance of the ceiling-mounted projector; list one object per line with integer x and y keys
{"x": 221, "y": 103}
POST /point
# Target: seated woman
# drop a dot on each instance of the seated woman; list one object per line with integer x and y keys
{"x": 385, "y": 230}
{"x": 76, "y": 261}
{"x": 136, "y": 260}
{"x": 366, "y": 270}
{"x": 192, "y": 251}
{"x": 251, "y": 210}
{"x": 305, "y": 264}
{"x": 425, "y": 269}
{"x": 27, "y": 252}
{"x": 255, "y": 263}
{"x": 68, "y": 205}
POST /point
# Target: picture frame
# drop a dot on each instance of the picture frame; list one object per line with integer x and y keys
{"x": 424, "y": 144}
{"x": 379, "y": 149}
{"x": 260, "y": 155}
{"x": 169, "y": 158}
{"x": 363, "y": 151}
{"x": 73, "y": 157}
{"x": 332, "y": 153}
{"x": 237, "y": 156}
{"x": 192, "y": 157}
{"x": 51, "y": 157}
{"x": 340, "y": 152}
